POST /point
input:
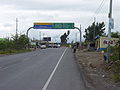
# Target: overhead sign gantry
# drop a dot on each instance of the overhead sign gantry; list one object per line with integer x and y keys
{"x": 53, "y": 26}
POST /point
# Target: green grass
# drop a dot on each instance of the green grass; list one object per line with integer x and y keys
{"x": 14, "y": 51}
{"x": 66, "y": 45}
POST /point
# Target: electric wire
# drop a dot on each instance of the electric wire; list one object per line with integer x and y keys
{"x": 96, "y": 12}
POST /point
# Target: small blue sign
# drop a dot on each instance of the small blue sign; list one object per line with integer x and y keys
{"x": 43, "y": 26}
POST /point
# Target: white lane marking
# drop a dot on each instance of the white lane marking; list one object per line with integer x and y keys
{"x": 53, "y": 72}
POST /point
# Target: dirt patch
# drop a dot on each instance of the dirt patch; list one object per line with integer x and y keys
{"x": 93, "y": 67}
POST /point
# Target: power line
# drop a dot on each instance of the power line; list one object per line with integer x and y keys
{"x": 96, "y": 12}
{"x": 100, "y": 6}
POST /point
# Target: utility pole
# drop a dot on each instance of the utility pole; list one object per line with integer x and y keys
{"x": 16, "y": 26}
{"x": 94, "y": 29}
{"x": 119, "y": 46}
{"x": 109, "y": 30}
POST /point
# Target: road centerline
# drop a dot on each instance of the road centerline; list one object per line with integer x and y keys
{"x": 53, "y": 72}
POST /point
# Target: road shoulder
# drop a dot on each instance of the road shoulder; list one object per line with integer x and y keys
{"x": 95, "y": 77}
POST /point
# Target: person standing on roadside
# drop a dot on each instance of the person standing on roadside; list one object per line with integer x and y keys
{"x": 74, "y": 48}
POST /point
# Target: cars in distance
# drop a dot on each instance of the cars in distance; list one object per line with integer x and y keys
{"x": 43, "y": 46}
{"x": 53, "y": 45}
{"x": 50, "y": 45}
{"x": 56, "y": 46}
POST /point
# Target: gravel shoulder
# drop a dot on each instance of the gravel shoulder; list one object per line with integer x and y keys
{"x": 96, "y": 77}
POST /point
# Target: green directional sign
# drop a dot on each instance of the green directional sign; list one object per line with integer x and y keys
{"x": 53, "y": 25}
{"x": 63, "y": 25}
{"x": 57, "y": 25}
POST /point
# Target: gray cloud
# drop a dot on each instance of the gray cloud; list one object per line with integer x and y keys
{"x": 52, "y": 5}
{"x": 7, "y": 25}
{"x": 78, "y": 11}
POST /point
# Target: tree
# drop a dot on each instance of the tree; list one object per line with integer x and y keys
{"x": 93, "y": 30}
{"x": 23, "y": 41}
{"x": 20, "y": 41}
{"x": 115, "y": 34}
{"x": 15, "y": 42}
{"x": 6, "y": 44}
{"x": 64, "y": 37}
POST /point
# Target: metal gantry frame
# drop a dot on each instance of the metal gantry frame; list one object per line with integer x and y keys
{"x": 29, "y": 30}
{"x": 79, "y": 29}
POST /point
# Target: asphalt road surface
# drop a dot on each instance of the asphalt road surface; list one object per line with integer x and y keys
{"x": 46, "y": 69}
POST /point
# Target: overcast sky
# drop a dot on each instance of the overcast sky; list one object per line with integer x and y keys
{"x": 77, "y": 11}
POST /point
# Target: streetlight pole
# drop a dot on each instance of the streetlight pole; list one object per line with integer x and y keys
{"x": 109, "y": 30}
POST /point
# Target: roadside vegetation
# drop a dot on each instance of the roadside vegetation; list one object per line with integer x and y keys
{"x": 98, "y": 29}
{"x": 14, "y": 44}
{"x": 114, "y": 64}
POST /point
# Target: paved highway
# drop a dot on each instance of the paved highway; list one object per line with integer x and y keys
{"x": 47, "y": 69}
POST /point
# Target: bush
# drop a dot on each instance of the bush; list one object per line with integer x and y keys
{"x": 116, "y": 77}
{"x": 114, "y": 53}
{"x": 16, "y": 42}
{"x": 115, "y": 63}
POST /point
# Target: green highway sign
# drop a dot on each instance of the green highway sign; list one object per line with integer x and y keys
{"x": 63, "y": 26}
{"x": 53, "y": 26}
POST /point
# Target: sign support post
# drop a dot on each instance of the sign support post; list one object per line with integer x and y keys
{"x": 80, "y": 34}
{"x": 28, "y": 30}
